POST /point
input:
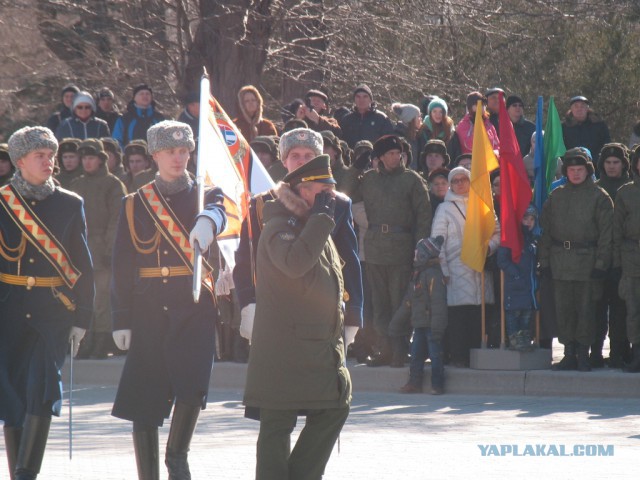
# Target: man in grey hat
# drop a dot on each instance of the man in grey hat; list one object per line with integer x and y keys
{"x": 46, "y": 283}
{"x": 298, "y": 147}
{"x": 171, "y": 339}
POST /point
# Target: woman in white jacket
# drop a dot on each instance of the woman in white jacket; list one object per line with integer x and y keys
{"x": 464, "y": 285}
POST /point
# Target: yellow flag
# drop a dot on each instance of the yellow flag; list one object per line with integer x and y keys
{"x": 480, "y": 223}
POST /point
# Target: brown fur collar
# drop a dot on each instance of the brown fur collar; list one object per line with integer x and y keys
{"x": 291, "y": 200}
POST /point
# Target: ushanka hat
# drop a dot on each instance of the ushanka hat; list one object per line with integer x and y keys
{"x": 67, "y": 145}
{"x": 575, "y": 157}
{"x": 28, "y": 139}
{"x": 385, "y": 144}
{"x": 92, "y": 146}
{"x": 316, "y": 170}
{"x": 436, "y": 146}
{"x": 618, "y": 150}
{"x": 300, "y": 137}
{"x": 170, "y": 134}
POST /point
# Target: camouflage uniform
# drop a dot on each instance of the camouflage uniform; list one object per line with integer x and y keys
{"x": 626, "y": 256}
{"x": 399, "y": 214}
{"x": 576, "y": 243}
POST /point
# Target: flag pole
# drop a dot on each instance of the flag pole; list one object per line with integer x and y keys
{"x": 502, "y": 313}
{"x": 204, "y": 117}
{"x": 483, "y": 313}
{"x": 73, "y": 347}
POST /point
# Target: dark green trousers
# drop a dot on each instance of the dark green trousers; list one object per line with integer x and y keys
{"x": 629, "y": 291}
{"x": 276, "y": 460}
{"x": 388, "y": 287}
{"x": 576, "y": 310}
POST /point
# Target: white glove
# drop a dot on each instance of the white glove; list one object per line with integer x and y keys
{"x": 75, "y": 336}
{"x": 122, "y": 339}
{"x": 349, "y": 335}
{"x": 224, "y": 284}
{"x": 247, "y": 314}
{"x": 202, "y": 233}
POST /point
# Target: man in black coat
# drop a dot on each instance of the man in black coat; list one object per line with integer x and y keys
{"x": 171, "y": 339}
{"x": 46, "y": 295}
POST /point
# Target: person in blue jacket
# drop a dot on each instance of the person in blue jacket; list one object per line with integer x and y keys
{"x": 46, "y": 295}
{"x": 141, "y": 114}
{"x": 170, "y": 338}
{"x": 520, "y": 284}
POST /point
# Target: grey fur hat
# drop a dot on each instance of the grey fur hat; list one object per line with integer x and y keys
{"x": 169, "y": 134}
{"x": 28, "y": 139}
{"x": 300, "y": 137}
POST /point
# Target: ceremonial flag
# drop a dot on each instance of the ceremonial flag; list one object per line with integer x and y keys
{"x": 515, "y": 190}
{"x": 540, "y": 171}
{"x": 228, "y": 162}
{"x": 480, "y": 223}
{"x": 553, "y": 143}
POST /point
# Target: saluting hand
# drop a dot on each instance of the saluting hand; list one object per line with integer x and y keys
{"x": 325, "y": 202}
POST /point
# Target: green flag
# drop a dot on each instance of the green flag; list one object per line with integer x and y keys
{"x": 553, "y": 143}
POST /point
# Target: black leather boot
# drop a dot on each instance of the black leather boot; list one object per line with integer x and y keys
{"x": 583, "y": 358}
{"x": 33, "y": 443}
{"x": 12, "y": 445}
{"x": 183, "y": 424}
{"x": 569, "y": 361}
{"x": 634, "y": 365}
{"x": 145, "y": 445}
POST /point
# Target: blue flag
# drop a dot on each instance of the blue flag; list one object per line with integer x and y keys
{"x": 540, "y": 184}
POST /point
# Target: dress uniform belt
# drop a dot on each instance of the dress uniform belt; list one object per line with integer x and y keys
{"x": 384, "y": 228}
{"x": 570, "y": 244}
{"x": 31, "y": 282}
{"x": 161, "y": 272}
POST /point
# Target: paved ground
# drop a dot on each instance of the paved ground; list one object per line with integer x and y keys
{"x": 387, "y": 436}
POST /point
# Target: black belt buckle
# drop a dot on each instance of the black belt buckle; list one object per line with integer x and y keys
{"x": 384, "y": 228}
{"x": 566, "y": 245}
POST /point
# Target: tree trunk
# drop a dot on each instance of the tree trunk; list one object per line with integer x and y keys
{"x": 231, "y": 42}
{"x": 302, "y": 66}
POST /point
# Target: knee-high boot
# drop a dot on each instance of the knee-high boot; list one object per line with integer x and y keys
{"x": 12, "y": 445}
{"x": 33, "y": 443}
{"x": 183, "y": 425}
{"x": 145, "y": 445}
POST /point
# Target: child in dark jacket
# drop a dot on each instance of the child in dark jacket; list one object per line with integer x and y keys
{"x": 425, "y": 306}
{"x": 520, "y": 285}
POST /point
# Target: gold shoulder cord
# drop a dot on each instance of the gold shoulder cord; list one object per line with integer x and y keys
{"x": 259, "y": 207}
{"x": 143, "y": 247}
{"x": 6, "y": 250}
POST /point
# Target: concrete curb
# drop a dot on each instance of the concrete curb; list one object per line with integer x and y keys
{"x": 603, "y": 383}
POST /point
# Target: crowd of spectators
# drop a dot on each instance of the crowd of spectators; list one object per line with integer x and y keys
{"x": 409, "y": 180}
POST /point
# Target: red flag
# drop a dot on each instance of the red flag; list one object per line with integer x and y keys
{"x": 515, "y": 189}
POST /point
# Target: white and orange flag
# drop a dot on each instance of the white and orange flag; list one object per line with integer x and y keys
{"x": 227, "y": 161}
